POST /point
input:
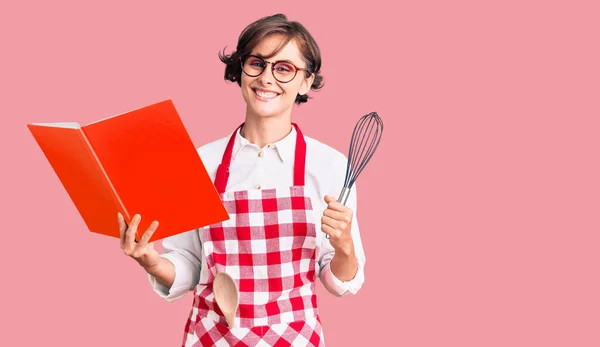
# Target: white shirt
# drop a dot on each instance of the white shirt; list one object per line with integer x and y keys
{"x": 264, "y": 168}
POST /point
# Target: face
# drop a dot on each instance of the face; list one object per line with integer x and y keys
{"x": 264, "y": 95}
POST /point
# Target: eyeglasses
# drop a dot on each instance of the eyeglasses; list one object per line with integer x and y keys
{"x": 283, "y": 71}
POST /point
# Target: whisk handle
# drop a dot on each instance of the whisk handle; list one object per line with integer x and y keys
{"x": 344, "y": 194}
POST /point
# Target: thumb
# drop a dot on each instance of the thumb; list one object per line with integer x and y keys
{"x": 329, "y": 199}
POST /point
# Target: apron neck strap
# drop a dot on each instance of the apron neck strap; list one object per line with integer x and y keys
{"x": 299, "y": 161}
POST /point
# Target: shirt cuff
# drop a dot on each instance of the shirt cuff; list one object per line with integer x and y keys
{"x": 182, "y": 283}
{"x": 339, "y": 288}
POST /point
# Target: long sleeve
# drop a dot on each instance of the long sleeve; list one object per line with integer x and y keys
{"x": 185, "y": 252}
{"x": 334, "y": 285}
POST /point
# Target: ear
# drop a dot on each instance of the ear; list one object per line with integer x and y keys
{"x": 306, "y": 84}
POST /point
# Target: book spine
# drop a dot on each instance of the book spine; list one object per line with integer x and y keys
{"x": 109, "y": 184}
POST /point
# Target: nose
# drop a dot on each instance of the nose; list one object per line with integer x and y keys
{"x": 266, "y": 77}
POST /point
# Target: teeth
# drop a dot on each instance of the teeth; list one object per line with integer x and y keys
{"x": 267, "y": 95}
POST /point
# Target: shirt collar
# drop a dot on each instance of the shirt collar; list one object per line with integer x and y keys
{"x": 284, "y": 147}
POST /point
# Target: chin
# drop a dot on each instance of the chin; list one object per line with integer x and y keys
{"x": 265, "y": 111}
{"x": 262, "y": 113}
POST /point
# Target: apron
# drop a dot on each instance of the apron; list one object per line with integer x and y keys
{"x": 268, "y": 246}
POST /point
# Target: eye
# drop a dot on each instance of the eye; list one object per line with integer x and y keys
{"x": 284, "y": 67}
{"x": 252, "y": 61}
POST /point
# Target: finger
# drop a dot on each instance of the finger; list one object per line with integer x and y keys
{"x": 147, "y": 235}
{"x": 122, "y": 227}
{"x": 329, "y": 199}
{"x": 332, "y": 223}
{"x": 130, "y": 235}
{"x": 339, "y": 216}
{"x": 333, "y": 233}
{"x": 336, "y": 205}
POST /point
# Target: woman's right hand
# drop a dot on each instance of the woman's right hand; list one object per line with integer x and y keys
{"x": 142, "y": 252}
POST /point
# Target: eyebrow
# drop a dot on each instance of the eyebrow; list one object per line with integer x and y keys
{"x": 284, "y": 60}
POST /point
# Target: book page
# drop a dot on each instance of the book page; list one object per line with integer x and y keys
{"x": 71, "y": 125}
{"x": 80, "y": 173}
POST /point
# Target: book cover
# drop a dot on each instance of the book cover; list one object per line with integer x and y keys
{"x": 142, "y": 161}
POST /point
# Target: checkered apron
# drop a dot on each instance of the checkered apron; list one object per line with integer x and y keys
{"x": 268, "y": 246}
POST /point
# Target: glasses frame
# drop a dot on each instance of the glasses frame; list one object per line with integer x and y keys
{"x": 243, "y": 60}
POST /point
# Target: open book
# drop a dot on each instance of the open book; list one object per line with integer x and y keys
{"x": 142, "y": 161}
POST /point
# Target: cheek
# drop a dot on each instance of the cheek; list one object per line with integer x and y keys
{"x": 245, "y": 81}
{"x": 245, "y": 87}
{"x": 291, "y": 91}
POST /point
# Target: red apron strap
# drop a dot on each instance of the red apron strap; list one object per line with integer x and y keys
{"x": 223, "y": 170}
{"x": 299, "y": 158}
{"x": 299, "y": 161}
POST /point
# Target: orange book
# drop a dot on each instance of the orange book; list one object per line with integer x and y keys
{"x": 141, "y": 161}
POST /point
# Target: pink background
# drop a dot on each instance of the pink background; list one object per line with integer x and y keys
{"x": 479, "y": 212}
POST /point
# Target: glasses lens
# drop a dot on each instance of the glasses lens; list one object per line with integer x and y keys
{"x": 284, "y": 72}
{"x": 253, "y": 66}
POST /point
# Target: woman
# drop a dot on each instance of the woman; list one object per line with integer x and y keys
{"x": 277, "y": 186}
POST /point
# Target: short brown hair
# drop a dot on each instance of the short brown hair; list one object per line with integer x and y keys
{"x": 275, "y": 24}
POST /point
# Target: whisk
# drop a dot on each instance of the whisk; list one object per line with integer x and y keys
{"x": 365, "y": 139}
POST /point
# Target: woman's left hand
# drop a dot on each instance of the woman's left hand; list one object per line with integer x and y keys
{"x": 336, "y": 222}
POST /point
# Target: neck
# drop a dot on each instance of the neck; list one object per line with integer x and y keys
{"x": 265, "y": 130}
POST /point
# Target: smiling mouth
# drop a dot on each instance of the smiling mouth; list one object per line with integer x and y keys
{"x": 265, "y": 95}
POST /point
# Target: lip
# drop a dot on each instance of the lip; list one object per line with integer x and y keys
{"x": 265, "y": 91}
